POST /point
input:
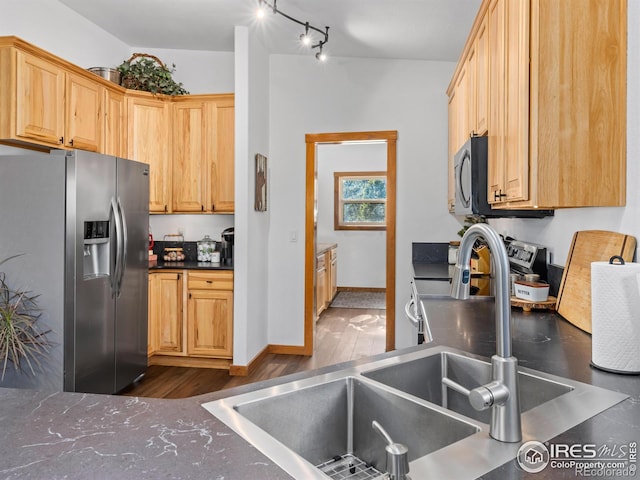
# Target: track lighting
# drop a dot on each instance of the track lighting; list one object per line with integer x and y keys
{"x": 305, "y": 38}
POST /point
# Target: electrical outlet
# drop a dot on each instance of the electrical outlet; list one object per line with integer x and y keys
{"x": 293, "y": 236}
{"x": 181, "y": 231}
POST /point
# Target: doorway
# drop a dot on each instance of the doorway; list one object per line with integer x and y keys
{"x": 312, "y": 142}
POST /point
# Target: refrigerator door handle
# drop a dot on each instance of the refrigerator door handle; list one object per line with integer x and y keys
{"x": 117, "y": 264}
{"x": 124, "y": 244}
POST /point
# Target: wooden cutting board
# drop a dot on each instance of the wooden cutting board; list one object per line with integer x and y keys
{"x": 574, "y": 295}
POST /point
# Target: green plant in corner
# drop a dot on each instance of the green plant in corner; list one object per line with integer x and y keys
{"x": 148, "y": 73}
{"x": 20, "y": 338}
{"x": 471, "y": 220}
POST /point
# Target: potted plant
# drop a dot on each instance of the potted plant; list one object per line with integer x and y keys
{"x": 21, "y": 341}
{"x": 471, "y": 220}
{"x": 147, "y": 72}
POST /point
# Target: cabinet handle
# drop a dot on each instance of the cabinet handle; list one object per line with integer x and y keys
{"x": 202, "y": 208}
{"x": 61, "y": 140}
{"x": 498, "y": 196}
{"x": 209, "y": 281}
{"x": 189, "y": 295}
{"x": 213, "y": 207}
{"x": 71, "y": 142}
{"x": 165, "y": 209}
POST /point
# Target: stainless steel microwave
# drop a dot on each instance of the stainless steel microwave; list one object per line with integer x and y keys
{"x": 471, "y": 184}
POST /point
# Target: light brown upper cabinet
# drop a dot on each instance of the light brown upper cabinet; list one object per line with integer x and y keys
{"x": 31, "y": 98}
{"x": 84, "y": 118}
{"x": 479, "y": 122}
{"x": 203, "y": 170}
{"x": 115, "y": 124}
{"x": 149, "y": 141}
{"x": 557, "y": 101}
{"x": 48, "y": 102}
{"x": 223, "y": 171}
{"x": 452, "y": 149}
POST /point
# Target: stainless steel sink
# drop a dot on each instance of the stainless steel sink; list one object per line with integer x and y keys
{"x": 423, "y": 378}
{"x": 310, "y": 426}
{"x": 331, "y": 419}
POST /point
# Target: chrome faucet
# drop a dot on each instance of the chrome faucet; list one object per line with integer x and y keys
{"x": 501, "y": 394}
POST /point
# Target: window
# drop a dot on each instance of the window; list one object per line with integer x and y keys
{"x": 360, "y": 200}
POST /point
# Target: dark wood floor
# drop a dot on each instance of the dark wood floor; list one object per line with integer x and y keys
{"x": 342, "y": 334}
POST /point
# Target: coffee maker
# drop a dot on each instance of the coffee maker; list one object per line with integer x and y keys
{"x": 226, "y": 248}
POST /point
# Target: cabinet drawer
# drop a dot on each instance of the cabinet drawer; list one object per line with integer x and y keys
{"x": 210, "y": 280}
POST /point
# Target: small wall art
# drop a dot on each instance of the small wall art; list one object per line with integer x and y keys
{"x": 261, "y": 183}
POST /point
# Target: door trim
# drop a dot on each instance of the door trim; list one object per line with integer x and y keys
{"x": 312, "y": 140}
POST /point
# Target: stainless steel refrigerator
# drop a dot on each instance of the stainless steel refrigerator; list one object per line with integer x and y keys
{"x": 81, "y": 221}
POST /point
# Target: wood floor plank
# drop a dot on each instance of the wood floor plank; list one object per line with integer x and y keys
{"x": 342, "y": 334}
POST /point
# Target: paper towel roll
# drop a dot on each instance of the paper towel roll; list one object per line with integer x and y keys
{"x": 615, "y": 317}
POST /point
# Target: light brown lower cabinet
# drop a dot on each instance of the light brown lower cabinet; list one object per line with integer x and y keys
{"x": 321, "y": 283}
{"x": 165, "y": 313}
{"x": 326, "y": 279}
{"x": 191, "y": 318}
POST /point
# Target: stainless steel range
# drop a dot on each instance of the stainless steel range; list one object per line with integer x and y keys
{"x": 527, "y": 258}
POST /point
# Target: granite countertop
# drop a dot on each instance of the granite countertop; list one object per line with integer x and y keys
{"x": 190, "y": 265}
{"x": 190, "y": 262}
{"x": 74, "y": 435}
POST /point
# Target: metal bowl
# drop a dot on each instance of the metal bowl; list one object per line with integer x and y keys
{"x": 110, "y": 74}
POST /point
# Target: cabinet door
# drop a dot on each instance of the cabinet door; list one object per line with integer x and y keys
{"x": 496, "y": 139}
{"x": 210, "y": 323}
{"x": 192, "y": 156}
{"x": 321, "y": 288}
{"x": 39, "y": 100}
{"x": 84, "y": 113}
{"x": 149, "y": 142}
{"x": 462, "y": 103}
{"x": 221, "y": 184}
{"x": 516, "y": 154}
{"x": 115, "y": 124}
{"x": 482, "y": 78}
{"x": 165, "y": 313}
{"x": 333, "y": 282}
{"x": 471, "y": 112}
{"x": 453, "y": 141}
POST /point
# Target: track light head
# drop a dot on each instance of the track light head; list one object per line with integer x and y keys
{"x": 305, "y": 38}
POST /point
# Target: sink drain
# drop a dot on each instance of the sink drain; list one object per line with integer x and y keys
{"x": 349, "y": 467}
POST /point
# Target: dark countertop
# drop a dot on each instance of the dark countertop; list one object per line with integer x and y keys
{"x": 72, "y": 435}
{"x": 190, "y": 265}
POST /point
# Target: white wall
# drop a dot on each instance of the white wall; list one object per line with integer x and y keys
{"x": 199, "y": 71}
{"x": 361, "y": 253}
{"x": 556, "y": 232}
{"x": 193, "y": 227}
{"x": 251, "y": 227}
{"x": 54, "y": 27}
{"x": 354, "y": 95}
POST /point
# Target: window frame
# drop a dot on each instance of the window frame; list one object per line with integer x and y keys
{"x": 338, "y": 222}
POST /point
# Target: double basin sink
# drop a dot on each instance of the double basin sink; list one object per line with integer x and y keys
{"x": 321, "y": 426}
